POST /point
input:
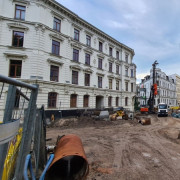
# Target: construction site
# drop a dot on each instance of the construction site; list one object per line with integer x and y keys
{"x": 111, "y": 143}
{"x": 125, "y": 149}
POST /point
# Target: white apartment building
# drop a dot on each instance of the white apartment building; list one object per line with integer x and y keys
{"x": 75, "y": 64}
{"x": 176, "y": 77}
{"x": 166, "y": 86}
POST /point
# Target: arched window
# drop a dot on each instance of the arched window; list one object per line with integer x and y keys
{"x": 52, "y": 99}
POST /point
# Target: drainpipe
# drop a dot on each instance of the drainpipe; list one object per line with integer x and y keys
{"x": 121, "y": 77}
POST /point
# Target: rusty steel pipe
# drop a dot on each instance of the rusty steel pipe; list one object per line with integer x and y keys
{"x": 70, "y": 162}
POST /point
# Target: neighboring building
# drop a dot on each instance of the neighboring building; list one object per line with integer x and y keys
{"x": 166, "y": 89}
{"x": 177, "y": 81}
{"x": 75, "y": 64}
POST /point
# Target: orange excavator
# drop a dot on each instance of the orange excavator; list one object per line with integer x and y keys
{"x": 144, "y": 110}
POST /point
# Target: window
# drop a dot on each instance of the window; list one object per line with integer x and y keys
{"x": 88, "y": 40}
{"x": 117, "y": 85}
{"x": 99, "y": 82}
{"x": 126, "y": 57}
{"x": 126, "y": 101}
{"x": 110, "y": 83}
{"x": 75, "y": 55}
{"x": 76, "y": 34}
{"x": 86, "y": 101}
{"x": 87, "y": 80}
{"x": 52, "y": 98}
{"x": 126, "y": 71}
{"x": 117, "y": 101}
{"x": 126, "y": 86}
{"x": 74, "y": 77}
{"x": 100, "y": 63}
{"x": 110, "y": 66}
{"x": 158, "y": 84}
{"x": 110, "y": 101}
{"x": 55, "y": 47}
{"x": 87, "y": 59}
{"x": 132, "y": 73}
{"x": 20, "y": 12}
{"x": 73, "y": 100}
{"x": 54, "y": 73}
{"x": 18, "y": 38}
{"x": 110, "y": 51}
{"x": 15, "y": 68}
{"x": 117, "y": 69}
{"x": 132, "y": 87}
{"x": 117, "y": 55}
{"x": 100, "y": 46}
{"x": 57, "y": 24}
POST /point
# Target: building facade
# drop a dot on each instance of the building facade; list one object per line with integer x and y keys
{"x": 75, "y": 64}
{"x": 166, "y": 88}
{"x": 176, "y": 77}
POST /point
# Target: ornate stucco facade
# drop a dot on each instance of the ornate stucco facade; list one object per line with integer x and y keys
{"x": 166, "y": 88}
{"x": 75, "y": 64}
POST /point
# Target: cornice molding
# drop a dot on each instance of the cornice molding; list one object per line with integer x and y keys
{"x": 110, "y": 76}
{"x": 118, "y": 78}
{"x": 101, "y": 39}
{"x": 76, "y": 67}
{"x": 111, "y": 59}
{"x": 57, "y": 15}
{"x": 118, "y": 62}
{"x": 15, "y": 55}
{"x": 56, "y": 36}
{"x": 111, "y": 45}
{"x": 24, "y": 2}
{"x": 88, "y": 50}
{"x": 88, "y": 33}
{"x": 76, "y": 45}
{"x": 17, "y": 26}
{"x": 49, "y": 60}
{"x": 100, "y": 74}
{"x": 77, "y": 26}
{"x": 101, "y": 56}
{"x": 88, "y": 70}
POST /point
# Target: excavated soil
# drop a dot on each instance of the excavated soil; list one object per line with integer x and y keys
{"x": 125, "y": 149}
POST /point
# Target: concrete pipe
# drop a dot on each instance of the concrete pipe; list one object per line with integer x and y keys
{"x": 69, "y": 162}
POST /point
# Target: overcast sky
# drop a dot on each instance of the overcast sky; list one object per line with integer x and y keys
{"x": 150, "y": 27}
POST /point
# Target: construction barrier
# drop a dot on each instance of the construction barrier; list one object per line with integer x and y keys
{"x": 10, "y": 160}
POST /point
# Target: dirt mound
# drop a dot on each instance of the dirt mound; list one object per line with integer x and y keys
{"x": 85, "y": 121}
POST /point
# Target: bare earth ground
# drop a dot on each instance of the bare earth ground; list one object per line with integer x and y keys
{"x": 125, "y": 149}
